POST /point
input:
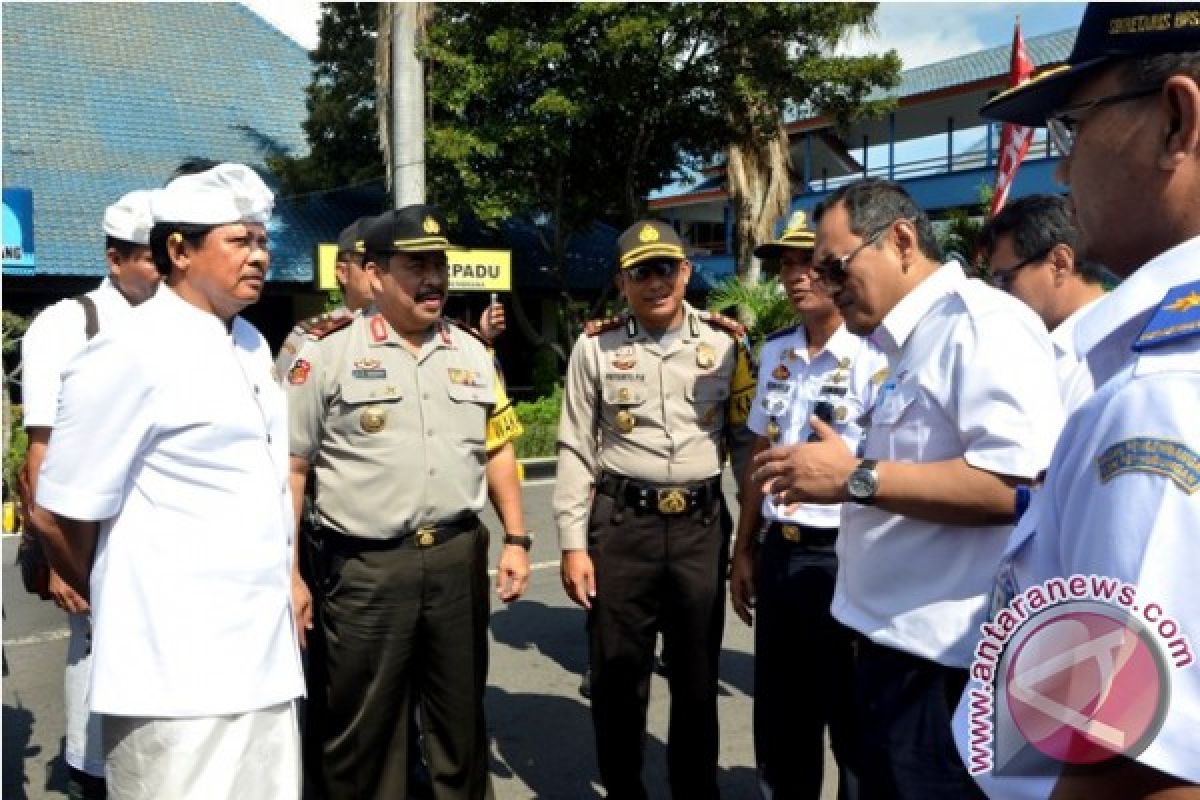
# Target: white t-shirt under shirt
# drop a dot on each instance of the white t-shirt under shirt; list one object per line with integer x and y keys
{"x": 173, "y": 431}
{"x": 971, "y": 376}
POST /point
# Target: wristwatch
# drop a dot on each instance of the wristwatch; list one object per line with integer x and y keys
{"x": 520, "y": 539}
{"x": 863, "y": 482}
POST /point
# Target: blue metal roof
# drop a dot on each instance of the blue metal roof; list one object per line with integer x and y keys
{"x": 1049, "y": 48}
{"x": 103, "y": 98}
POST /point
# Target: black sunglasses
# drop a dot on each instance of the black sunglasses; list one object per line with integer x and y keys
{"x": 831, "y": 272}
{"x": 1004, "y": 279}
{"x": 659, "y": 269}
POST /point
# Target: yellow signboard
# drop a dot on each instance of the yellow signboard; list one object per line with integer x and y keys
{"x": 470, "y": 270}
{"x": 326, "y": 260}
{"x": 480, "y": 270}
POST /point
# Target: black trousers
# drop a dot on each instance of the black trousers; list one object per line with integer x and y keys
{"x": 657, "y": 573}
{"x": 803, "y": 673}
{"x": 906, "y": 745}
{"x": 399, "y": 624}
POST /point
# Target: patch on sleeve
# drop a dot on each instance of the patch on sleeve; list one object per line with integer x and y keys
{"x": 298, "y": 374}
{"x": 1177, "y": 316}
{"x": 1174, "y": 460}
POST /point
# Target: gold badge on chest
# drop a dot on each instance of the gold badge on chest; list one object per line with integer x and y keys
{"x": 705, "y": 356}
{"x": 372, "y": 419}
{"x": 625, "y": 421}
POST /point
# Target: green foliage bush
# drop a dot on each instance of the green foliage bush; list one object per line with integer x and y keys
{"x": 540, "y": 420}
{"x": 17, "y": 445}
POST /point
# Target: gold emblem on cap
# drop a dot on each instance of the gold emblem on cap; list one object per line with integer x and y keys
{"x": 625, "y": 421}
{"x": 373, "y": 419}
{"x": 798, "y": 220}
{"x": 705, "y": 355}
{"x": 431, "y": 225}
{"x": 649, "y": 233}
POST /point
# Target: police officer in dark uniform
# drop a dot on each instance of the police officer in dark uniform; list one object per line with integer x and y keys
{"x": 655, "y": 400}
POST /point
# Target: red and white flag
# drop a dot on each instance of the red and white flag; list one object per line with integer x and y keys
{"x": 1015, "y": 140}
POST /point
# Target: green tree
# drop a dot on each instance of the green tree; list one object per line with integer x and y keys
{"x": 341, "y": 127}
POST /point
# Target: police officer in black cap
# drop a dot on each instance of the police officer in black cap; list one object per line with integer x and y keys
{"x": 404, "y": 419}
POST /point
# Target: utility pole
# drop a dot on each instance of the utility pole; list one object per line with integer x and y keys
{"x": 408, "y": 108}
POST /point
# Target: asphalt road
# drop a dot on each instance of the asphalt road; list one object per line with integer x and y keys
{"x": 538, "y": 724}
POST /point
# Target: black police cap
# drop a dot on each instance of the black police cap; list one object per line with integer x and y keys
{"x": 350, "y": 240}
{"x": 647, "y": 240}
{"x": 1109, "y": 32}
{"x": 417, "y": 228}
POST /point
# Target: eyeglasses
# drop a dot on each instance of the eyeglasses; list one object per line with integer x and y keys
{"x": 832, "y": 272}
{"x": 1063, "y": 124}
{"x": 1004, "y": 279}
{"x": 659, "y": 269}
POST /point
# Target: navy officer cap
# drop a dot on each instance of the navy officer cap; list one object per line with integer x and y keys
{"x": 417, "y": 228}
{"x": 1108, "y": 33}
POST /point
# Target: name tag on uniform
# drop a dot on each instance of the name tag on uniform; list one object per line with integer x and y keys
{"x": 369, "y": 374}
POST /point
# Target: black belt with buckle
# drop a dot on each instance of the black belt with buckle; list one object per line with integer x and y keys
{"x": 421, "y": 538}
{"x": 666, "y": 499}
{"x": 804, "y": 535}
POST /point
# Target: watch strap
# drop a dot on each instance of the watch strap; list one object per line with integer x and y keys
{"x": 519, "y": 539}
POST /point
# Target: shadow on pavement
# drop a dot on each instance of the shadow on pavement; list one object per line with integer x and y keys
{"x": 557, "y": 633}
{"x": 18, "y": 730}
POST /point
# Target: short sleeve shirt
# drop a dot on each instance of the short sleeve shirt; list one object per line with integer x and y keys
{"x": 971, "y": 375}
{"x": 171, "y": 433}
{"x": 396, "y": 439}
{"x": 53, "y": 339}
{"x": 846, "y": 374}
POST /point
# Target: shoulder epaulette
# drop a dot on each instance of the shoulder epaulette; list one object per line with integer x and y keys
{"x": 1177, "y": 316}
{"x": 595, "y": 327}
{"x": 469, "y": 330}
{"x": 782, "y": 332}
{"x": 731, "y": 326}
{"x": 322, "y": 325}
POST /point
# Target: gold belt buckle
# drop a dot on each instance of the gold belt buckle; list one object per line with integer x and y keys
{"x": 790, "y": 532}
{"x": 672, "y": 501}
{"x": 426, "y": 537}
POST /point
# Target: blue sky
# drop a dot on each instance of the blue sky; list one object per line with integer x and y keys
{"x": 921, "y": 32}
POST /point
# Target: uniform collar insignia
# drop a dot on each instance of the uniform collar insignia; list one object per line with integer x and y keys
{"x": 1177, "y": 316}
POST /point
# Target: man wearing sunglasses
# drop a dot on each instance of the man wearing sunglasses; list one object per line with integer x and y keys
{"x": 1121, "y": 497}
{"x": 784, "y": 563}
{"x": 1032, "y": 252}
{"x": 655, "y": 400}
{"x": 967, "y": 414}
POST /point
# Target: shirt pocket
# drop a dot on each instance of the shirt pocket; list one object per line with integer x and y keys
{"x": 364, "y": 410}
{"x": 707, "y": 397}
{"x": 471, "y": 404}
{"x": 898, "y": 425}
{"x": 624, "y": 402}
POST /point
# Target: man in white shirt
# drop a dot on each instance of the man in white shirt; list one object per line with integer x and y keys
{"x": 53, "y": 339}
{"x": 966, "y": 415}
{"x": 1032, "y": 252}
{"x": 1121, "y": 498}
{"x": 169, "y": 461}
{"x": 784, "y": 562}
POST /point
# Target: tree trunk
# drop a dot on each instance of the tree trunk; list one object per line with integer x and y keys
{"x": 760, "y": 190}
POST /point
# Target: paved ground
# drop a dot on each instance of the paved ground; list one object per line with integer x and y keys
{"x": 539, "y": 725}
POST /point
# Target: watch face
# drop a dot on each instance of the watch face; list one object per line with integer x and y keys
{"x": 862, "y": 484}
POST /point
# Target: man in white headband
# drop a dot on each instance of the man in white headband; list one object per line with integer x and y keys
{"x": 55, "y": 337}
{"x": 169, "y": 461}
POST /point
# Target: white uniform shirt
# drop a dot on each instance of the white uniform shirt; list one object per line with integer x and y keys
{"x": 174, "y": 432}
{"x": 971, "y": 376}
{"x": 53, "y": 339}
{"x": 847, "y": 373}
{"x": 1113, "y": 507}
{"x": 1074, "y": 381}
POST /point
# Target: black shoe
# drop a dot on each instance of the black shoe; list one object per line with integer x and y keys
{"x": 81, "y": 786}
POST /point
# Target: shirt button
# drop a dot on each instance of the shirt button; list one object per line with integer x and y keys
{"x": 256, "y": 388}
{"x": 425, "y": 396}
{"x": 429, "y": 432}
{"x": 268, "y": 438}
{"x": 432, "y": 471}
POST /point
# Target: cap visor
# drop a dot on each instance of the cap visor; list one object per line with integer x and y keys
{"x": 1030, "y": 103}
{"x": 776, "y": 249}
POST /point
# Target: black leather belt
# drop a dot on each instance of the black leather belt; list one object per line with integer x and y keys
{"x": 421, "y": 538}
{"x": 804, "y": 535}
{"x": 665, "y": 499}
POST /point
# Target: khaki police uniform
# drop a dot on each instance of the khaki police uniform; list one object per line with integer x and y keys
{"x": 645, "y": 430}
{"x": 398, "y": 444}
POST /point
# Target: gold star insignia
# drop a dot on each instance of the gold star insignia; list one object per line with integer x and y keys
{"x": 431, "y": 225}
{"x": 648, "y": 234}
{"x": 1185, "y": 303}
